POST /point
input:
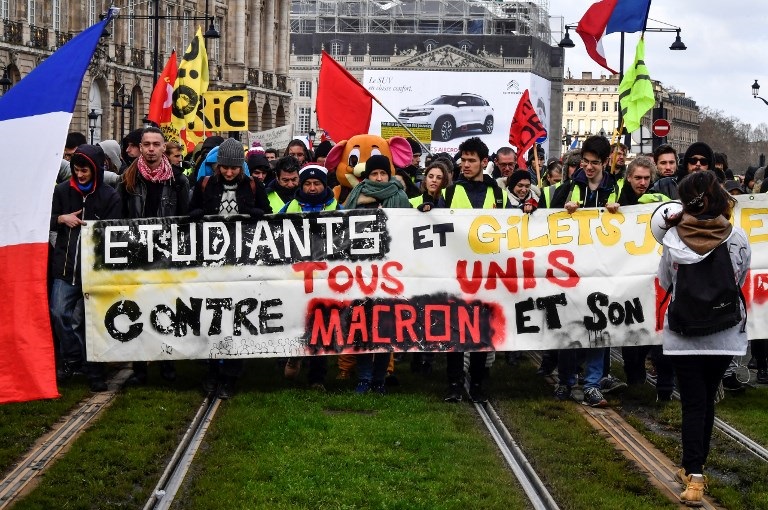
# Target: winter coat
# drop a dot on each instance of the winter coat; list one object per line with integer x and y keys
{"x": 606, "y": 192}
{"x": 208, "y": 200}
{"x": 730, "y": 342}
{"x": 173, "y": 202}
{"x": 101, "y": 203}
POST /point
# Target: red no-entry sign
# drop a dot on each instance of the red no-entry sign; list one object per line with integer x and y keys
{"x": 661, "y": 127}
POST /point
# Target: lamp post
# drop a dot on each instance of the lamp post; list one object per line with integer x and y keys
{"x": 124, "y": 102}
{"x": 92, "y": 118}
{"x": 677, "y": 45}
{"x": 755, "y": 92}
{"x": 5, "y": 81}
{"x": 210, "y": 33}
{"x": 311, "y": 137}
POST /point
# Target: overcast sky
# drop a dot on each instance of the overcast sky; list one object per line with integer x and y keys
{"x": 727, "y": 50}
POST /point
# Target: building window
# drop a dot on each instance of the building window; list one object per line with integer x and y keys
{"x": 131, "y": 22}
{"x": 56, "y": 13}
{"x": 592, "y": 126}
{"x": 305, "y": 89}
{"x": 465, "y": 47}
{"x": 593, "y": 106}
{"x": 150, "y": 26}
{"x": 217, "y": 42}
{"x": 185, "y": 31}
{"x": 616, "y": 106}
{"x": 4, "y": 9}
{"x": 605, "y": 106}
{"x": 168, "y": 30}
{"x": 569, "y": 125}
{"x": 429, "y": 46}
{"x": 31, "y": 11}
{"x": 581, "y": 127}
{"x": 582, "y": 106}
{"x": 305, "y": 113}
{"x": 336, "y": 49}
{"x": 570, "y": 106}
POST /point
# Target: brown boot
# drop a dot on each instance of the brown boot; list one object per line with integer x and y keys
{"x": 693, "y": 494}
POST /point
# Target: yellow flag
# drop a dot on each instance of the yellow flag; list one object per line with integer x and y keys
{"x": 191, "y": 83}
{"x": 636, "y": 91}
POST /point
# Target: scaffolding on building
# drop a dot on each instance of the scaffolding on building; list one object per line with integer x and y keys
{"x": 470, "y": 17}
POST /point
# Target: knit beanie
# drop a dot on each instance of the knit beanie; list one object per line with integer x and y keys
{"x": 323, "y": 149}
{"x": 376, "y": 162}
{"x": 257, "y": 160}
{"x": 517, "y": 176}
{"x": 313, "y": 172}
{"x": 230, "y": 153}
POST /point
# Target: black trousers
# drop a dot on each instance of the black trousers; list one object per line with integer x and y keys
{"x": 634, "y": 366}
{"x": 455, "y": 361}
{"x": 760, "y": 353}
{"x": 698, "y": 377}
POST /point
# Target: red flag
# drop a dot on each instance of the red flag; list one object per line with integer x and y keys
{"x": 160, "y": 106}
{"x": 525, "y": 129}
{"x": 343, "y": 105}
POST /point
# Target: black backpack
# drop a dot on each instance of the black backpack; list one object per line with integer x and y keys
{"x": 706, "y": 298}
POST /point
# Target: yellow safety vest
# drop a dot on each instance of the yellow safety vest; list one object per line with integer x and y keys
{"x": 275, "y": 201}
{"x": 645, "y": 198}
{"x": 575, "y": 195}
{"x": 294, "y": 206}
{"x": 460, "y": 199}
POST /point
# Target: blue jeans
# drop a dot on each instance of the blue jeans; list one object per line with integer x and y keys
{"x": 372, "y": 367}
{"x": 593, "y": 366}
{"x": 68, "y": 317}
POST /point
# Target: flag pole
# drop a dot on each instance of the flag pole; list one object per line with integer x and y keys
{"x": 536, "y": 162}
{"x": 426, "y": 151}
{"x": 616, "y": 139}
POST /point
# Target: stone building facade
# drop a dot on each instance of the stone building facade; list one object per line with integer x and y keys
{"x": 251, "y": 54}
{"x": 591, "y": 107}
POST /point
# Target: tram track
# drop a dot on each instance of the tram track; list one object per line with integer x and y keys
{"x": 57, "y": 441}
{"x": 534, "y": 488}
{"x": 723, "y": 427}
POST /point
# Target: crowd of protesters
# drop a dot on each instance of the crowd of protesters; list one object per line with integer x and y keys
{"x": 150, "y": 178}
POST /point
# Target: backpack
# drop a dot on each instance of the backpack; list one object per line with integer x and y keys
{"x": 706, "y": 298}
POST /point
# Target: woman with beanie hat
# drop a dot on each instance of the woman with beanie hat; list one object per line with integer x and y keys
{"x": 377, "y": 189}
{"x": 521, "y": 192}
{"x": 228, "y": 191}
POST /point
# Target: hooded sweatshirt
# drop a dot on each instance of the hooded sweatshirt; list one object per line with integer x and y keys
{"x": 688, "y": 243}
{"x": 100, "y": 202}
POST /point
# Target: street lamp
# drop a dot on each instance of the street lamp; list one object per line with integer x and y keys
{"x": 567, "y": 42}
{"x": 210, "y": 33}
{"x": 124, "y": 102}
{"x": 92, "y": 118}
{"x": 6, "y": 83}
{"x": 311, "y": 137}
{"x": 756, "y": 91}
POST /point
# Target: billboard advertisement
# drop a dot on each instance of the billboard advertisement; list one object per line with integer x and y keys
{"x": 455, "y": 105}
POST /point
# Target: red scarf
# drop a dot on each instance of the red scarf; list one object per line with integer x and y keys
{"x": 162, "y": 173}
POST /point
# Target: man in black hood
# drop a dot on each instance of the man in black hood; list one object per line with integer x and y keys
{"x": 83, "y": 197}
{"x": 699, "y": 156}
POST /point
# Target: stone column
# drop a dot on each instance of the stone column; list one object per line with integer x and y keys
{"x": 268, "y": 39}
{"x": 254, "y": 37}
{"x": 238, "y": 26}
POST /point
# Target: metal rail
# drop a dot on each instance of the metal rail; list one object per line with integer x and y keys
{"x": 534, "y": 488}
{"x": 58, "y": 440}
{"x": 758, "y": 450}
{"x": 170, "y": 481}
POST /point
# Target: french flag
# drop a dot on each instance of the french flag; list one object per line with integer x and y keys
{"x": 34, "y": 120}
{"x": 607, "y": 17}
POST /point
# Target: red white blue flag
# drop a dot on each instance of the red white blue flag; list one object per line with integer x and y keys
{"x": 34, "y": 120}
{"x": 607, "y": 17}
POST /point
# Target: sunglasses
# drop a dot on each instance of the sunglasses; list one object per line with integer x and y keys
{"x": 701, "y": 161}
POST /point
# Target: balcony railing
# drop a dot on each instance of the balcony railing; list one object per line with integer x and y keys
{"x": 137, "y": 57}
{"x": 282, "y": 83}
{"x": 13, "y": 31}
{"x": 62, "y": 38}
{"x": 38, "y": 37}
{"x": 267, "y": 80}
{"x": 253, "y": 77}
{"x": 120, "y": 53}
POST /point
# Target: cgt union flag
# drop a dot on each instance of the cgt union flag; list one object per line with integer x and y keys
{"x": 34, "y": 120}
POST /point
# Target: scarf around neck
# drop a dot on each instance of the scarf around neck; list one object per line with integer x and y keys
{"x": 162, "y": 173}
{"x": 389, "y": 194}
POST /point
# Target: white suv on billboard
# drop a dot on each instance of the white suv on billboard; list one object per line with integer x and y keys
{"x": 450, "y": 112}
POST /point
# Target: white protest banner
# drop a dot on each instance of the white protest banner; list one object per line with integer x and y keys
{"x": 394, "y": 279}
{"x": 277, "y": 138}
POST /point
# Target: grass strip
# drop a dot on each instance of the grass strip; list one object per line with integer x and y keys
{"x": 118, "y": 460}
{"x": 280, "y": 447}
{"x": 581, "y": 469}
{"x": 21, "y": 424}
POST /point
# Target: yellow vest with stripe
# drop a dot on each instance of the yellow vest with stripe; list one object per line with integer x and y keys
{"x": 460, "y": 199}
{"x": 295, "y": 206}
{"x": 275, "y": 201}
{"x": 645, "y": 198}
{"x": 417, "y": 201}
{"x": 548, "y": 193}
{"x": 575, "y": 195}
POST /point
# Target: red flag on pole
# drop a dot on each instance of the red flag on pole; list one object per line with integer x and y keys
{"x": 525, "y": 129}
{"x": 343, "y": 105}
{"x": 161, "y": 104}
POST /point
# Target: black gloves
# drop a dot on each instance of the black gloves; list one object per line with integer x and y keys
{"x": 256, "y": 213}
